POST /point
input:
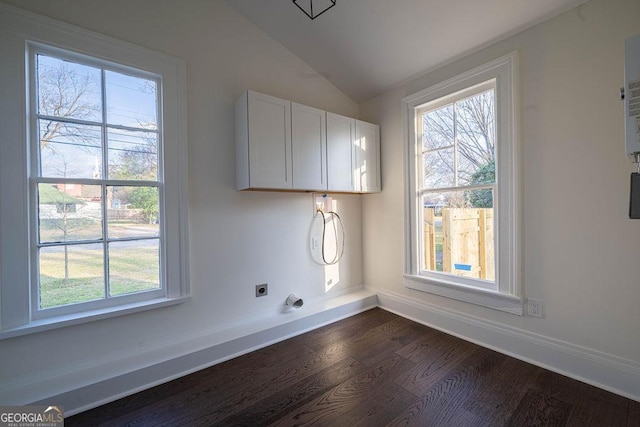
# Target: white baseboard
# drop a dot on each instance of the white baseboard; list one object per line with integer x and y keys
{"x": 221, "y": 346}
{"x": 606, "y": 371}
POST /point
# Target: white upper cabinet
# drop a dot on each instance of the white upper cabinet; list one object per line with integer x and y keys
{"x": 341, "y": 132}
{"x": 263, "y": 142}
{"x": 367, "y": 157}
{"x": 281, "y": 145}
{"x": 308, "y": 147}
{"x": 353, "y": 155}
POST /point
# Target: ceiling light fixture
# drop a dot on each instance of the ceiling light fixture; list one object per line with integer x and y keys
{"x": 314, "y": 10}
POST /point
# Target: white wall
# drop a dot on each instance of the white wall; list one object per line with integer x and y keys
{"x": 237, "y": 239}
{"x": 581, "y": 252}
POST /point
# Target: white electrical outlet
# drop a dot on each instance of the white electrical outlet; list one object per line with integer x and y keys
{"x": 534, "y": 307}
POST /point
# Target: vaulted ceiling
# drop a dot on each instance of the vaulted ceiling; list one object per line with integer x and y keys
{"x": 365, "y": 47}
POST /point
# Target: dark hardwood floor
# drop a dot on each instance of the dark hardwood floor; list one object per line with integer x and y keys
{"x": 373, "y": 369}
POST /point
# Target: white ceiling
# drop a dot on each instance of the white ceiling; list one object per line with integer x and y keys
{"x": 365, "y": 47}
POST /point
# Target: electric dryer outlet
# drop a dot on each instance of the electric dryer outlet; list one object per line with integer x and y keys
{"x": 262, "y": 290}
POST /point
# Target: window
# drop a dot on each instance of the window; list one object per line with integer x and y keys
{"x": 92, "y": 177}
{"x": 462, "y": 187}
{"x": 96, "y": 144}
{"x": 456, "y": 170}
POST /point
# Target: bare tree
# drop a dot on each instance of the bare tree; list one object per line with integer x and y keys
{"x": 65, "y": 91}
{"x": 139, "y": 161}
{"x": 476, "y": 128}
{"x": 470, "y": 125}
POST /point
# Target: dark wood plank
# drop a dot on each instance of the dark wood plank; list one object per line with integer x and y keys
{"x": 434, "y": 361}
{"x": 385, "y": 330}
{"x": 341, "y": 331}
{"x": 363, "y": 346}
{"x": 586, "y": 413}
{"x": 329, "y": 408}
{"x": 590, "y": 405}
{"x": 571, "y": 390}
{"x": 540, "y": 409}
{"x": 416, "y": 413}
{"x": 387, "y": 347}
{"x": 633, "y": 419}
{"x": 415, "y": 350}
{"x": 500, "y": 392}
{"x": 443, "y": 404}
{"x": 381, "y": 405}
{"x": 277, "y": 405}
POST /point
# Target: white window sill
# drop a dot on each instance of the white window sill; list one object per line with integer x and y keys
{"x": 88, "y": 316}
{"x": 486, "y": 298}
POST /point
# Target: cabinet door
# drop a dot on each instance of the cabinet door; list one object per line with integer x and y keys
{"x": 367, "y": 157}
{"x": 269, "y": 142}
{"x": 308, "y": 147}
{"x": 340, "y": 161}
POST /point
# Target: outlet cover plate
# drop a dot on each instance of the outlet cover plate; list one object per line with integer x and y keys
{"x": 262, "y": 290}
{"x": 534, "y": 307}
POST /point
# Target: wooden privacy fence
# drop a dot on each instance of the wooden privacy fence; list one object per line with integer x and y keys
{"x": 460, "y": 241}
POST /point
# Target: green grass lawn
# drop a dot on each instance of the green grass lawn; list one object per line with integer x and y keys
{"x": 131, "y": 269}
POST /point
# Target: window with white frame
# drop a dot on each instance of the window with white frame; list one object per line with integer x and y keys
{"x": 96, "y": 142}
{"x": 462, "y": 188}
{"x": 92, "y": 177}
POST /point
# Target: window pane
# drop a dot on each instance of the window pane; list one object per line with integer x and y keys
{"x": 131, "y": 101}
{"x": 458, "y": 236}
{"x": 71, "y": 274}
{"x": 133, "y": 212}
{"x": 480, "y": 198}
{"x": 132, "y": 155}
{"x": 438, "y": 128}
{"x": 69, "y": 150}
{"x": 69, "y": 212}
{"x": 475, "y": 131}
{"x": 134, "y": 266}
{"x": 67, "y": 89}
{"x": 439, "y": 168}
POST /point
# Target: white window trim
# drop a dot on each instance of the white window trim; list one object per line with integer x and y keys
{"x": 508, "y": 295}
{"x": 18, "y": 28}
